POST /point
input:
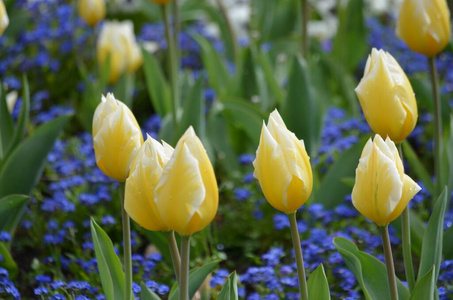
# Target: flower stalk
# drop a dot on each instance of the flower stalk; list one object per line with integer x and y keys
{"x": 184, "y": 274}
{"x": 303, "y": 289}
{"x": 389, "y": 261}
{"x": 126, "y": 244}
{"x": 437, "y": 124}
{"x": 175, "y": 258}
{"x": 406, "y": 237}
{"x": 305, "y": 14}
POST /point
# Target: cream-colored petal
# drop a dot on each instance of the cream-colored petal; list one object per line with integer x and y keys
{"x": 410, "y": 189}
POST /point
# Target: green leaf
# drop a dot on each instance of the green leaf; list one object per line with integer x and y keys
{"x": 23, "y": 116}
{"x": 148, "y": 294}
{"x": 417, "y": 166}
{"x": 218, "y": 75}
{"x": 6, "y": 125}
{"x": 157, "y": 85}
{"x": 318, "y": 287}
{"x": 21, "y": 171}
{"x": 196, "y": 278}
{"x": 124, "y": 89}
{"x": 268, "y": 71}
{"x": 350, "y": 45}
{"x": 193, "y": 111}
{"x": 11, "y": 209}
{"x": 425, "y": 287}
{"x": 332, "y": 190}
{"x": 230, "y": 288}
{"x": 448, "y": 243}
{"x": 301, "y": 111}
{"x": 245, "y": 116}
{"x": 433, "y": 238}
{"x": 110, "y": 270}
{"x": 8, "y": 262}
{"x": 370, "y": 272}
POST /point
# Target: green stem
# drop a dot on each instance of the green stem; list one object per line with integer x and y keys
{"x": 176, "y": 30}
{"x": 126, "y": 245}
{"x": 171, "y": 65}
{"x": 184, "y": 274}
{"x": 437, "y": 124}
{"x": 232, "y": 35}
{"x": 305, "y": 15}
{"x": 174, "y": 252}
{"x": 406, "y": 236}
{"x": 389, "y": 261}
{"x": 303, "y": 290}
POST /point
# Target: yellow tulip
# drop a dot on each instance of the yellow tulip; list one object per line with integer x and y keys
{"x": 116, "y": 137}
{"x": 187, "y": 196}
{"x": 386, "y": 97}
{"x": 4, "y": 20}
{"x": 117, "y": 42}
{"x": 146, "y": 170}
{"x": 382, "y": 191}
{"x": 282, "y": 166}
{"x": 92, "y": 11}
{"x": 424, "y": 25}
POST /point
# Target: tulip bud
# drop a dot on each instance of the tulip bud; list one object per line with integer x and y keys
{"x": 116, "y": 137}
{"x": 4, "y": 20}
{"x": 92, "y": 11}
{"x": 146, "y": 170}
{"x": 282, "y": 166}
{"x": 117, "y": 42}
{"x": 382, "y": 191}
{"x": 424, "y": 25}
{"x": 386, "y": 97}
{"x": 187, "y": 196}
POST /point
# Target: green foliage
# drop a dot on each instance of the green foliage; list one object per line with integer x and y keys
{"x": 318, "y": 287}
{"x": 110, "y": 269}
{"x": 369, "y": 271}
{"x": 147, "y": 294}
{"x": 229, "y": 290}
{"x": 433, "y": 239}
{"x": 425, "y": 287}
{"x": 196, "y": 278}
{"x": 418, "y": 168}
{"x": 332, "y": 190}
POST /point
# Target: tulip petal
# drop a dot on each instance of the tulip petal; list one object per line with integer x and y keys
{"x": 410, "y": 189}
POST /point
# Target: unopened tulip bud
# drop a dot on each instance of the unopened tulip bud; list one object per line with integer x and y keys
{"x": 116, "y": 137}
{"x": 92, "y": 11}
{"x": 145, "y": 173}
{"x": 382, "y": 191}
{"x": 187, "y": 195}
{"x": 282, "y": 166}
{"x": 424, "y": 25}
{"x": 386, "y": 97}
{"x": 4, "y": 20}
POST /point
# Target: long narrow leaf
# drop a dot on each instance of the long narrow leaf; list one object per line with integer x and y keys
{"x": 23, "y": 117}
{"x": 11, "y": 210}
{"x": 425, "y": 287}
{"x": 110, "y": 270}
{"x": 22, "y": 169}
{"x": 318, "y": 287}
{"x": 6, "y": 125}
{"x": 230, "y": 288}
{"x": 433, "y": 238}
{"x": 147, "y": 294}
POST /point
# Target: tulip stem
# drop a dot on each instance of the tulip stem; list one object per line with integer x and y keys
{"x": 303, "y": 290}
{"x": 406, "y": 236}
{"x": 305, "y": 15}
{"x": 389, "y": 261}
{"x": 126, "y": 245}
{"x": 184, "y": 274}
{"x": 176, "y": 29}
{"x": 175, "y": 258}
{"x": 171, "y": 65}
{"x": 437, "y": 124}
{"x": 232, "y": 35}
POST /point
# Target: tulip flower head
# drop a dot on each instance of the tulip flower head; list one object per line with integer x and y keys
{"x": 424, "y": 25}
{"x": 4, "y": 20}
{"x": 187, "y": 195}
{"x": 116, "y": 137}
{"x": 282, "y": 166}
{"x": 145, "y": 173}
{"x": 386, "y": 97}
{"x": 117, "y": 42}
{"x": 382, "y": 191}
{"x": 92, "y": 11}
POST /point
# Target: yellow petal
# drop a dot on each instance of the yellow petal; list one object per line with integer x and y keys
{"x": 4, "y": 20}
{"x": 410, "y": 189}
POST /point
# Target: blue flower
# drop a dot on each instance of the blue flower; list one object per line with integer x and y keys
{"x": 246, "y": 159}
{"x": 5, "y": 236}
{"x": 242, "y": 194}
